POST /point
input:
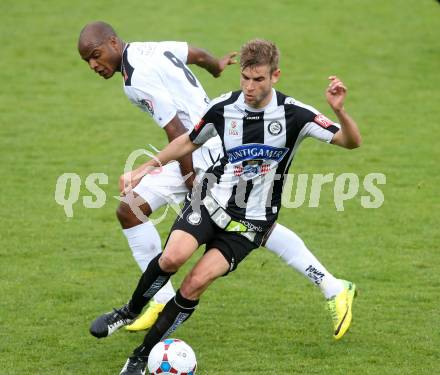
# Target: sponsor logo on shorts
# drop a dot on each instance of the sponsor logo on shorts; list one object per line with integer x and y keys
{"x": 194, "y": 218}
{"x": 232, "y": 264}
{"x": 252, "y": 227}
{"x": 148, "y": 104}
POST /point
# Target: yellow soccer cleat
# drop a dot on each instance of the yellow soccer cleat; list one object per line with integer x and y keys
{"x": 147, "y": 319}
{"x": 340, "y": 309}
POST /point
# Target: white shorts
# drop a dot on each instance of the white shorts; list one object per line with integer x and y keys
{"x": 168, "y": 186}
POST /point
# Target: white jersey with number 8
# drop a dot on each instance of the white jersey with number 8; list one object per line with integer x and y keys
{"x": 158, "y": 81}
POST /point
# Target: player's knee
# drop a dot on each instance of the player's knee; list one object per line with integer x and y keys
{"x": 126, "y": 216}
{"x": 170, "y": 262}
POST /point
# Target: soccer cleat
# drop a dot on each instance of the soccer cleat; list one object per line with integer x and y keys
{"x": 340, "y": 308}
{"x": 108, "y": 323}
{"x": 148, "y": 318}
{"x": 135, "y": 366}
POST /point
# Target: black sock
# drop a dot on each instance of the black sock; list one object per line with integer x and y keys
{"x": 176, "y": 311}
{"x": 149, "y": 284}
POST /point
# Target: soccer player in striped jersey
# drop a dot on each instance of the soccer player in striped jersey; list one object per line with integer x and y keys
{"x": 157, "y": 79}
{"x": 239, "y": 198}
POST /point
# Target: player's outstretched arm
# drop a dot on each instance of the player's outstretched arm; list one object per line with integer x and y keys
{"x": 212, "y": 64}
{"x": 175, "y": 150}
{"x": 349, "y": 136}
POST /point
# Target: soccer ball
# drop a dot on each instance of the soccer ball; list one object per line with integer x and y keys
{"x": 172, "y": 356}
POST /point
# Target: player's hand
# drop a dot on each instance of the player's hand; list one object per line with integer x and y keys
{"x": 223, "y": 62}
{"x": 335, "y": 93}
{"x": 127, "y": 182}
{"x": 189, "y": 180}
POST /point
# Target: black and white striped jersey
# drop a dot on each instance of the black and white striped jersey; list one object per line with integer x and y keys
{"x": 259, "y": 146}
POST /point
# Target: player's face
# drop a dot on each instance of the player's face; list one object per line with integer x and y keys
{"x": 104, "y": 58}
{"x": 256, "y": 83}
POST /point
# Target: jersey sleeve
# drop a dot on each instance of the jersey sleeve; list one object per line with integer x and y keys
{"x": 154, "y": 100}
{"x": 313, "y": 123}
{"x": 321, "y": 128}
{"x": 178, "y": 49}
{"x": 204, "y": 129}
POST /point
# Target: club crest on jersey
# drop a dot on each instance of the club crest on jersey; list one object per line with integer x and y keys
{"x": 233, "y": 128}
{"x": 323, "y": 121}
{"x": 148, "y": 104}
{"x": 275, "y": 127}
{"x": 194, "y": 218}
{"x": 256, "y": 151}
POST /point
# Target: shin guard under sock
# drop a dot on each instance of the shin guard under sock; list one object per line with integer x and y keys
{"x": 152, "y": 280}
{"x": 176, "y": 311}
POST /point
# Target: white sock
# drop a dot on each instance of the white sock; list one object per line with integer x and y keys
{"x": 145, "y": 244}
{"x": 286, "y": 244}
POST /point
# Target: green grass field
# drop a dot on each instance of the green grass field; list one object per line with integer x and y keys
{"x": 57, "y": 273}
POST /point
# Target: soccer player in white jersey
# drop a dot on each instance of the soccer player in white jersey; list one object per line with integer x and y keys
{"x": 157, "y": 79}
{"x": 269, "y": 128}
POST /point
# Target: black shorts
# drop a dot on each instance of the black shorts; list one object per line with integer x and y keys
{"x": 233, "y": 245}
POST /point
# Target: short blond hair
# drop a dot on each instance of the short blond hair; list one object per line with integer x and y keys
{"x": 259, "y": 52}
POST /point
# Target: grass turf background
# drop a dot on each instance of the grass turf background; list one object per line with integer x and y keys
{"x": 57, "y": 274}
